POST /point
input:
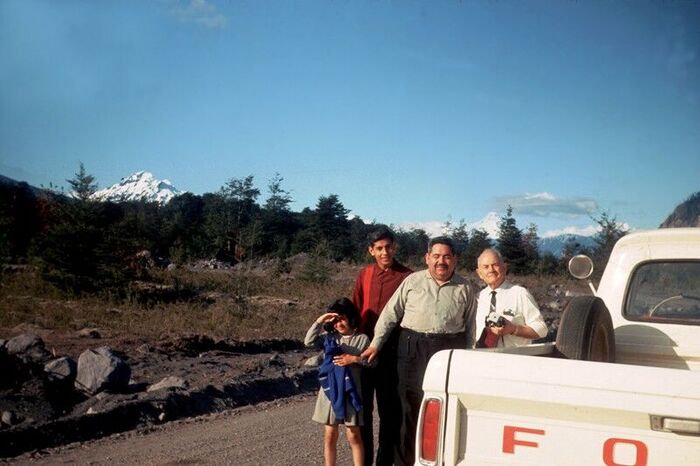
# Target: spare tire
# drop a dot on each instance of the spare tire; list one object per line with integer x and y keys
{"x": 585, "y": 331}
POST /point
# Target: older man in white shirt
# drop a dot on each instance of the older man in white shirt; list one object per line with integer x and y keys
{"x": 507, "y": 315}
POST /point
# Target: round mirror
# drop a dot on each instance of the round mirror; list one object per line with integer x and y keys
{"x": 581, "y": 266}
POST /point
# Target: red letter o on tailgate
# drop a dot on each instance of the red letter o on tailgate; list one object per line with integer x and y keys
{"x": 609, "y": 451}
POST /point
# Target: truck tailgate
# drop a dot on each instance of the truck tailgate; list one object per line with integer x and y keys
{"x": 513, "y": 409}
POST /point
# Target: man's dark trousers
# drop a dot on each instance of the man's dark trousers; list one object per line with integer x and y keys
{"x": 414, "y": 352}
{"x": 382, "y": 380}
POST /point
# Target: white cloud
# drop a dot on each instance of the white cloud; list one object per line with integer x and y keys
{"x": 432, "y": 228}
{"x": 547, "y": 205}
{"x": 589, "y": 230}
{"x": 200, "y": 12}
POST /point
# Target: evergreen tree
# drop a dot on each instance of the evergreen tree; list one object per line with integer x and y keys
{"x": 478, "y": 241}
{"x": 510, "y": 243}
{"x": 184, "y": 234}
{"x": 83, "y": 184}
{"x": 605, "y": 239}
{"x": 460, "y": 237}
{"x": 412, "y": 246}
{"x": 330, "y": 223}
{"x": 240, "y": 208}
{"x": 279, "y": 199}
{"x": 548, "y": 264}
{"x": 278, "y": 224}
{"x": 531, "y": 249}
{"x": 571, "y": 248}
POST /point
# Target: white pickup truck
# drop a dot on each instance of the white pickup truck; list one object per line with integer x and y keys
{"x": 576, "y": 407}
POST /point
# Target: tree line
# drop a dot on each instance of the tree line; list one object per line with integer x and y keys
{"x": 89, "y": 246}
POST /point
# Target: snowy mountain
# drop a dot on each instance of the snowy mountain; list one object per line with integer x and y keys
{"x": 489, "y": 224}
{"x": 555, "y": 244}
{"x": 141, "y": 186}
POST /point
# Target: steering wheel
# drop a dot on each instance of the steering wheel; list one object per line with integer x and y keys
{"x": 671, "y": 298}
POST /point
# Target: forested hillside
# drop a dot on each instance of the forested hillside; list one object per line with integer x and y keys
{"x": 83, "y": 245}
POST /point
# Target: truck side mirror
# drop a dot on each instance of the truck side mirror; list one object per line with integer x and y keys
{"x": 581, "y": 266}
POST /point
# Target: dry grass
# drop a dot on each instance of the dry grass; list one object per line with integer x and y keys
{"x": 240, "y": 304}
{"x": 219, "y": 303}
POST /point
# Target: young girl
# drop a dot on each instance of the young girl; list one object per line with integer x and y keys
{"x": 339, "y": 401}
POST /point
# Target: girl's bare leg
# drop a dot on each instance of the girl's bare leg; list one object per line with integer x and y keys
{"x": 355, "y": 441}
{"x": 330, "y": 440}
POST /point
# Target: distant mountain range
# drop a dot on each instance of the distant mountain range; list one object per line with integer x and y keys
{"x": 141, "y": 186}
{"x": 555, "y": 244}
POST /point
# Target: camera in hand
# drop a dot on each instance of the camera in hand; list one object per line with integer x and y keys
{"x": 495, "y": 320}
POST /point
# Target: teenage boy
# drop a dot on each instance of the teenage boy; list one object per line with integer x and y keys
{"x": 374, "y": 286}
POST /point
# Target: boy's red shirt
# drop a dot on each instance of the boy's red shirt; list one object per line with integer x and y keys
{"x": 373, "y": 288}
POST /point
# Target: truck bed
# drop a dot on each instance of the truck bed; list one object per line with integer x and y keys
{"x": 515, "y": 409}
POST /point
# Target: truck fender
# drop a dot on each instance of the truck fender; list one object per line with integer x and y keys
{"x": 585, "y": 331}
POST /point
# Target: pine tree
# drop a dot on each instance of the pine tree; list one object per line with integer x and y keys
{"x": 510, "y": 243}
{"x": 531, "y": 248}
{"x": 83, "y": 184}
{"x": 278, "y": 224}
{"x": 479, "y": 240}
{"x": 605, "y": 239}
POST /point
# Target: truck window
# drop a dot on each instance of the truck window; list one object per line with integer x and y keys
{"x": 665, "y": 292}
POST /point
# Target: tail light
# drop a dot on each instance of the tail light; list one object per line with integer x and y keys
{"x": 430, "y": 430}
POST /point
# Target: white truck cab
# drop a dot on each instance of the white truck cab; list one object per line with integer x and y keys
{"x": 574, "y": 407}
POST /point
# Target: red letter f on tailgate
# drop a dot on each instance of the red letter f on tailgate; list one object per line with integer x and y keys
{"x": 509, "y": 440}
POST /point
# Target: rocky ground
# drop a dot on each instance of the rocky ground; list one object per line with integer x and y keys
{"x": 195, "y": 373}
{"x": 147, "y": 382}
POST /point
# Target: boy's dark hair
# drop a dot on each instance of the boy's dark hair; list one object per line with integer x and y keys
{"x": 345, "y": 307}
{"x": 446, "y": 240}
{"x": 380, "y": 233}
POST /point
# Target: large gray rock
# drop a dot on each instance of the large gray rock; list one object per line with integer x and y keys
{"x": 10, "y": 418}
{"x": 101, "y": 369}
{"x": 24, "y": 343}
{"x": 169, "y": 382}
{"x": 61, "y": 370}
{"x": 28, "y": 347}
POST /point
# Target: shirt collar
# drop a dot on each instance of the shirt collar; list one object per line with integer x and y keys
{"x": 455, "y": 279}
{"x": 504, "y": 286}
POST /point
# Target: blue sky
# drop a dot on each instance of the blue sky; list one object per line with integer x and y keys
{"x": 411, "y": 111}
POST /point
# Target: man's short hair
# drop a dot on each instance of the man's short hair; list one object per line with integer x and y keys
{"x": 380, "y": 233}
{"x": 446, "y": 240}
{"x": 495, "y": 252}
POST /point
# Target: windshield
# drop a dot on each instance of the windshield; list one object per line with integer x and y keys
{"x": 665, "y": 292}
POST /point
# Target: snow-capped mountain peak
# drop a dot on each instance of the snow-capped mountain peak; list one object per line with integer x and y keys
{"x": 489, "y": 224}
{"x": 140, "y": 186}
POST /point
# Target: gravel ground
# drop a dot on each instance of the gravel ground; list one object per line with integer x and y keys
{"x": 279, "y": 433}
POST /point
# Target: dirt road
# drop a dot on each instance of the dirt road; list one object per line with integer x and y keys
{"x": 278, "y": 433}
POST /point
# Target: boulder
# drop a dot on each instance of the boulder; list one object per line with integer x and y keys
{"x": 169, "y": 382}
{"x": 62, "y": 370}
{"x": 24, "y": 343}
{"x": 100, "y": 370}
{"x": 89, "y": 333}
{"x": 28, "y": 347}
{"x": 314, "y": 361}
{"x": 10, "y": 418}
